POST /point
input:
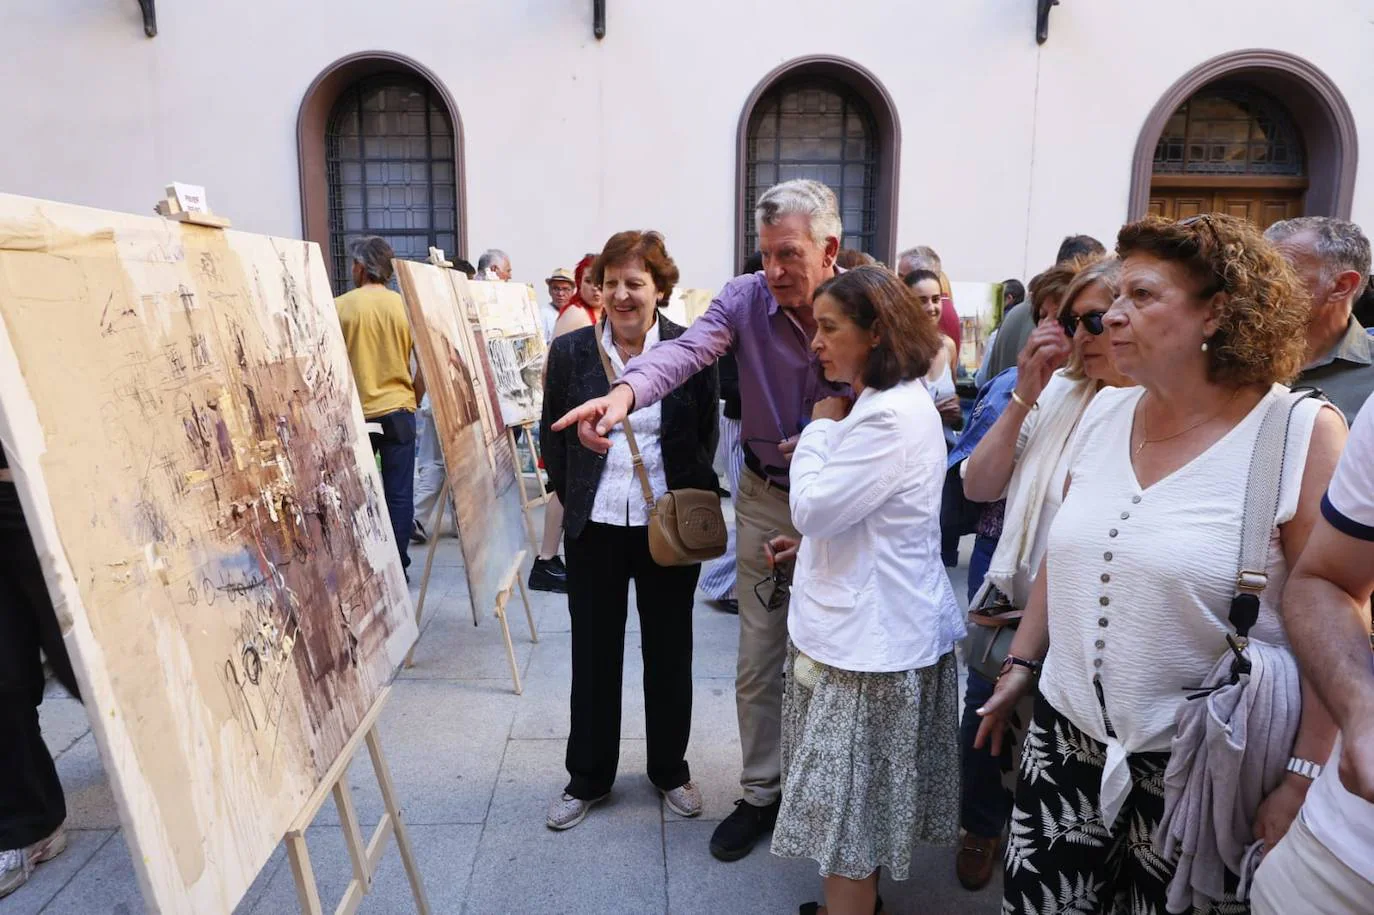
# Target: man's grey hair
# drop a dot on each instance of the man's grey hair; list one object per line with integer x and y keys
{"x": 921, "y": 257}
{"x": 1339, "y": 243}
{"x": 375, "y": 256}
{"x": 491, "y": 257}
{"x": 811, "y": 199}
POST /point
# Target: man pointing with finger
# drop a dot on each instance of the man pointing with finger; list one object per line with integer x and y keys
{"x": 765, "y": 319}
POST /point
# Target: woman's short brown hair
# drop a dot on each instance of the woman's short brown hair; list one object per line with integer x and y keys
{"x": 649, "y": 247}
{"x": 1261, "y": 332}
{"x": 1103, "y": 271}
{"x": 908, "y": 339}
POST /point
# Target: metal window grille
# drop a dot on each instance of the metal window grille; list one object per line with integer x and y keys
{"x": 822, "y": 131}
{"x": 1230, "y": 131}
{"x": 391, "y": 170}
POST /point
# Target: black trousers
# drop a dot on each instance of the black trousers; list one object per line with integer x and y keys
{"x": 31, "y": 800}
{"x": 396, "y": 446}
{"x": 601, "y": 564}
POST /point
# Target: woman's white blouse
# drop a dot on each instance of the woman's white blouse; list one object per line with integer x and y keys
{"x": 870, "y": 592}
{"x": 619, "y": 496}
{"x": 1140, "y": 580}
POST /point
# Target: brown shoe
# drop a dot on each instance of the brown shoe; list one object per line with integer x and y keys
{"x": 976, "y": 859}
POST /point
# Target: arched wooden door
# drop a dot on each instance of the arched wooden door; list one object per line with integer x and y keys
{"x": 1230, "y": 149}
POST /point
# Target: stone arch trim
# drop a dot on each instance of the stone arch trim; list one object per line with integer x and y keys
{"x": 1317, "y": 105}
{"x": 312, "y": 121}
{"x": 867, "y": 86}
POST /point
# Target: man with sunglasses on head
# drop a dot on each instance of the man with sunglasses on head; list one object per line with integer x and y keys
{"x": 765, "y": 319}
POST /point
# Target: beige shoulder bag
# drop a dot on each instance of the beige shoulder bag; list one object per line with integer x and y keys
{"x": 686, "y": 526}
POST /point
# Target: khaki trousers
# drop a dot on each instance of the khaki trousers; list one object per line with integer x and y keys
{"x": 761, "y": 513}
{"x": 1300, "y": 876}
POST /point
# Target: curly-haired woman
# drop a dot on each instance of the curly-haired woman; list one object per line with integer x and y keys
{"x": 1133, "y": 597}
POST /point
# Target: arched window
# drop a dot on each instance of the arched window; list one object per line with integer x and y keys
{"x": 1230, "y": 131}
{"x": 389, "y": 148}
{"x": 830, "y": 120}
{"x": 822, "y": 131}
{"x": 381, "y": 152}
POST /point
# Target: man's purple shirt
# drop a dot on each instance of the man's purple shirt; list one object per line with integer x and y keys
{"x": 779, "y": 377}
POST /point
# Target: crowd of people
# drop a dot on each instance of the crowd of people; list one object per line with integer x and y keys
{"x": 1170, "y": 481}
{"x": 1130, "y": 563}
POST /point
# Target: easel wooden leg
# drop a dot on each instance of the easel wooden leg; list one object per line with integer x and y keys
{"x": 529, "y": 614}
{"x": 393, "y": 811}
{"x": 538, "y": 475}
{"x": 306, "y": 888}
{"x": 365, "y": 859}
{"x": 501, "y": 600}
{"x": 525, "y": 504}
{"x": 435, "y": 522}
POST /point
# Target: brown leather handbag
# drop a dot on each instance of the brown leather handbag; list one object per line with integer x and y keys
{"x": 686, "y": 526}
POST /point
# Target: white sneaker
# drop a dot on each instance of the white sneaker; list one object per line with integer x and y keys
{"x": 567, "y": 811}
{"x": 17, "y": 864}
{"x": 15, "y": 869}
{"x": 684, "y": 800}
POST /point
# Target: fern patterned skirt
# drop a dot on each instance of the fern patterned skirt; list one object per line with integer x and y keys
{"x": 1060, "y": 856}
{"x": 870, "y": 767}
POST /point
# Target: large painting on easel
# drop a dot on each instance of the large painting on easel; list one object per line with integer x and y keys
{"x": 181, "y": 420}
{"x": 462, "y": 387}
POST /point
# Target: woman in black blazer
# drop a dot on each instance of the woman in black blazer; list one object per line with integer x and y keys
{"x": 606, "y": 525}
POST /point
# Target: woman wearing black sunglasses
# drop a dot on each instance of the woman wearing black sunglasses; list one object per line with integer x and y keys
{"x": 1024, "y": 459}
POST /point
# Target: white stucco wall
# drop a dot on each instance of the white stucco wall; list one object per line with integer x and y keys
{"x": 1006, "y": 146}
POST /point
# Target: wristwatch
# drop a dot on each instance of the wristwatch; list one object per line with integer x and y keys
{"x": 1012, "y": 660}
{"x": 1304, "y": 767}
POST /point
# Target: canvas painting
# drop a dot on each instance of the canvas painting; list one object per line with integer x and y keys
{"x": 686, "y": 305}
{"x": 178, "y": 409}
{"x": 464, "y": 395}
{"x": 509, "y": 329}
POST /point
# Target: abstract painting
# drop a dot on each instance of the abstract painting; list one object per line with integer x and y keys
{"x": 460, "y": 379}
{"x": 178, "y": 409}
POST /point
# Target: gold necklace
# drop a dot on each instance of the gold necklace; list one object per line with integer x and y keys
{"x": 1146, "y": 440}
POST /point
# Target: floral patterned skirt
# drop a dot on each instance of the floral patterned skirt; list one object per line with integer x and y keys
{"x": 870, "y": 767}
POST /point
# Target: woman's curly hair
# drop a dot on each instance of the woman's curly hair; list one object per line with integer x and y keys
{"x": 1261, "y": 333}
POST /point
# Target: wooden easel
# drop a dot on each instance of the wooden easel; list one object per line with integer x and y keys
{"x": 528, "y": 505}
{"x": 365, "y": 857}
{"x": 512, "y": 581}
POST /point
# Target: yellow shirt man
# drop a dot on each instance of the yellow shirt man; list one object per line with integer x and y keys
{"x": 377, "y": 334}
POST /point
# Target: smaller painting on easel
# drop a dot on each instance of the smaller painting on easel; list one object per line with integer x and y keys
{"x": 508, "y": 315}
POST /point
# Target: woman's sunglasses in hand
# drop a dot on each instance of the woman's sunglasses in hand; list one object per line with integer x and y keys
{"x": 1092, "y": 323}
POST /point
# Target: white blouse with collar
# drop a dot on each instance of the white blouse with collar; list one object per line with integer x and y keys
{"x": 619, "y": 496}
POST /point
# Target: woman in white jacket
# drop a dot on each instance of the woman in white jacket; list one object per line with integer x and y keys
{"x": 870, "y": 750}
